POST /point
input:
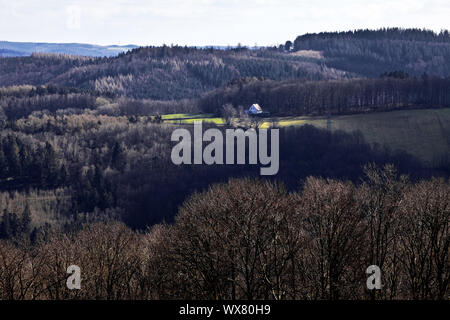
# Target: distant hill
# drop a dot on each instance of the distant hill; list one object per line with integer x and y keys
{"x": 372, "y": 52}
{"x": 19, "y": 49}
{"x": 11, "y": 53}
{"x": 175, "y": 72}
{"x": 161, "y": 73}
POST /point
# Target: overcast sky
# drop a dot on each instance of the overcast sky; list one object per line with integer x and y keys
{"x": 207, "y": 22}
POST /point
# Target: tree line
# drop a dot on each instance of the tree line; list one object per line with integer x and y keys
{"x": 371, "y": 52}
{"x": 21, "y": 163}
{"x": 394, "y": 90}
{"x": 251, "y": 239}
{"x": 16, "y": 104}
{"x": 176, "y": 72}
{"x": 114, "y": 167}
{"x": 159, "y": 73}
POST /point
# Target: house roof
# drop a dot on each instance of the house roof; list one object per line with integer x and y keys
{"x": 256, "y": 106}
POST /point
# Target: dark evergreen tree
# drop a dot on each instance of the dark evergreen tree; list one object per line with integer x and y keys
{"x": 26, "y": 220}
{"x": 50, "y": 165}
{"x": 118, "y": 158}
{"x": 3, "y": 164}
{"x": 9, "y": 226}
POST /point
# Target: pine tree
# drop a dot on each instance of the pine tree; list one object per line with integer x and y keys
{"x": 25, "y": 159}
{"x": 26, "y": 220}
{"x": 63, "y": 175}
{"x": 3, "y": 118}
{"x": 12, "y": 154}
{"x": 118, "y": 159}
{"x": 50, "y": 164}
{"x": 5, "y": 227}
{"x": 3, "y": 164}
{"x": 9, "y": 226}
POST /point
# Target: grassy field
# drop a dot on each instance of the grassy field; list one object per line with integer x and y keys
{"x": 424, "y": 133}
{"x": 191, "y": 121}
{"x": 186, "y": 116}
{"x": 191, "y": 117}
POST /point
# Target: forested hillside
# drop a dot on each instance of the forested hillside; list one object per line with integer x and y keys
{"x": 301, "y": 97}
{"x": 160, "y": 73}
{"x": 370, "y": 52}
{"x": 87, "y": 177}
{"x": 170, "y": 73}
{"x": 118, "y": 166}
{"x": 167, "y": 73}
{"x": 312, "y": 243}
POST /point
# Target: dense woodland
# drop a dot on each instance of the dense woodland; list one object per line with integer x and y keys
{"x": 370, "y": 53}
{"x": 250, "y": 239}
{"x": 120, "y": 165}
{"x": 174, "y": 72}
{"x": 300, "y": 97}
{"x": 86, "y": 176}
{"x": 159, "y": 73}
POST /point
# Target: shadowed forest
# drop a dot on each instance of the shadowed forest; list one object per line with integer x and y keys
{"x": 250, "y": 239}
{"x": 86, "y": 176}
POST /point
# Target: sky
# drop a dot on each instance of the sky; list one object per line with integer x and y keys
{"x": 207, "y": 22}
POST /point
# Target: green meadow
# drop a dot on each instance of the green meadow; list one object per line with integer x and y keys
{"x": 424, "y": 133}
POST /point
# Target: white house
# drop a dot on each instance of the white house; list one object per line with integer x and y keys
{"x": 254, "y": 109}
